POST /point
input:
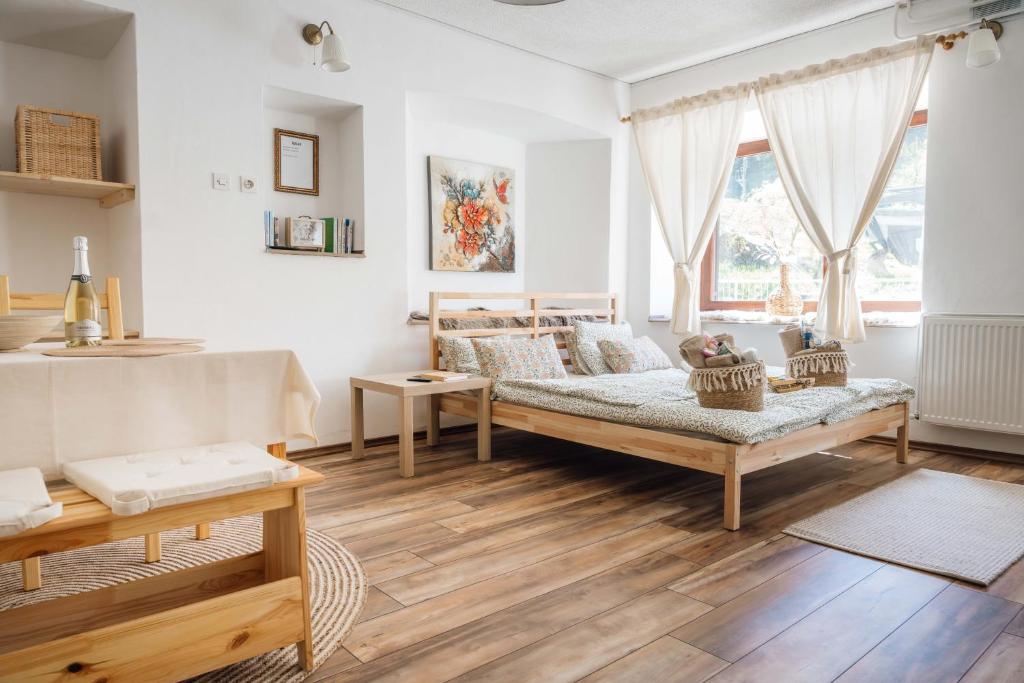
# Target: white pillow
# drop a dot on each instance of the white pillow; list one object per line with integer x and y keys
{"x": 24, "y": 501}
{"x": 133, "y": 484}
{"x": 591, "y": 362}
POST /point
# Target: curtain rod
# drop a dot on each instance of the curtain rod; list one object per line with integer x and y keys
{"x": 816, "y": 70}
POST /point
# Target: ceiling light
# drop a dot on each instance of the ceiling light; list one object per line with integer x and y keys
{"x": 332, "y": 54}
{"x": 528, "y": 3}
{"x": 981, "y": 47}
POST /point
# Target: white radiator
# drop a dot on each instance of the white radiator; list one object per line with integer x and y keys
{"x": 972, "y": 372}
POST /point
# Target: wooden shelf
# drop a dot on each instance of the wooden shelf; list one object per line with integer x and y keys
{"x": 108, "y": 194}
{"x": 305, "y": 252}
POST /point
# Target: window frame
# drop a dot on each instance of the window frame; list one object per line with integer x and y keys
{"x": 707, "y": 268}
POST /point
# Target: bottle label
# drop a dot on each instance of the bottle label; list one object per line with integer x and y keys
{"x": 83, "y": 329}
{"x": 82, "y": 278}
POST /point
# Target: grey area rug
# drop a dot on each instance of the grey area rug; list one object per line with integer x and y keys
{"x": 336, "y": 580}
{"x": 950, "y": 524}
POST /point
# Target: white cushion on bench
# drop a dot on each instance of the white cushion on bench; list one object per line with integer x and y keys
{"x": 133, "y": 484}
{"x": 24, "y": 501}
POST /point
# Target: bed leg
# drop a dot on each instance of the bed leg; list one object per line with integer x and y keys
{"x": 903, "y": 436}
{"x": 732, "y": 494}
{"x": 434, "y": 421}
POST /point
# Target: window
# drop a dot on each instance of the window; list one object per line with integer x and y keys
{"x": 757, "y": 228}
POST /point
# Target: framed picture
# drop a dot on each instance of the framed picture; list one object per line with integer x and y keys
{"x": 304, "y": 233}
{"x": 472, "y": 209}
{"x": 296, "y": 162}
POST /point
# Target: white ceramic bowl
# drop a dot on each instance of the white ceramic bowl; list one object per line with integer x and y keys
{"x": 17, "y": 331}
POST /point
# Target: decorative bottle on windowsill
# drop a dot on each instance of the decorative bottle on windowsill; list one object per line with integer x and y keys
{"x": 784, "y": 301}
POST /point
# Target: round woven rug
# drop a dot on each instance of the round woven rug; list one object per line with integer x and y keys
{"x": 336, "y": 580}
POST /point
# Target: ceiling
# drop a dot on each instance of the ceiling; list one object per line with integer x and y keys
{"x": 636, "y": 39}
{"x": 72, "y": 26}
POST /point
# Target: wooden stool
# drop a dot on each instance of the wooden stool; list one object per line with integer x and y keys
{"x": 171, "y": 626}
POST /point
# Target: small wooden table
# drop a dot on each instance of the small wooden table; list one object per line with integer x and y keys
{"x": 398, "y": 384}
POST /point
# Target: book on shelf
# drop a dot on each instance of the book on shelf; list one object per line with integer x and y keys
{"x": 443, "y": 376}
{"x": 330, "y": 235}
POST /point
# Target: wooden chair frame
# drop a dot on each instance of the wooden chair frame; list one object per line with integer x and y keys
{"x": 730, "y": 460}
{"x": 110, "y": 301}
{"x": 170, "y": 626}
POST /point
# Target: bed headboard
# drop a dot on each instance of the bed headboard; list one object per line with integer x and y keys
{"x": 607, "y": 308}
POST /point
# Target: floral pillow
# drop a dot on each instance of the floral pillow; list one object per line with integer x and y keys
{"x": 572, "y": 350}
{"x": 519, "y": 358}
{"x": 591, "y": 362}
{"x": 459, "y": 355}
{"x": 636, "y": 355}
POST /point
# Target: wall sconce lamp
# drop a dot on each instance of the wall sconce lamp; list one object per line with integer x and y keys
{"x": 332, "y": 54}
{"x": 981, "y": 47}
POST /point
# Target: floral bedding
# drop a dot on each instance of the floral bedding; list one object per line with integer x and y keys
{"x": 661, "y": 399}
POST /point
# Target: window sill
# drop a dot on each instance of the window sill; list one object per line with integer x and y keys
{"x": 871, "y": 318}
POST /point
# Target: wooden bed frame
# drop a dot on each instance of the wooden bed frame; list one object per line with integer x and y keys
{"x": 731, "y": 460}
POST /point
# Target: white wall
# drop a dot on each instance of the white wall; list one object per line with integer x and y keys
{"x": 973, "y": 239}
{"x": 36, "y": 230}
{"x": 428, "y": 138}
{"x": 570, "y": 216}
{"x": 201, "y": 70}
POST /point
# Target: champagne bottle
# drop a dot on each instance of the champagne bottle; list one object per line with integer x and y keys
{"x": 81, "y": 305}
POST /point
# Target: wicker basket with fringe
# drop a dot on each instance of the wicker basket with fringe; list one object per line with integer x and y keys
{"x": 828, "y": 368}
{"x": 739, "y": 387}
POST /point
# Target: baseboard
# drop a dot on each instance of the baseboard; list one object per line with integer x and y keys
{"x": 950, "y": 449}
{"x": 391, "y": 439}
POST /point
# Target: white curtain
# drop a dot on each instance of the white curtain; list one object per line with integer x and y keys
{"x": 836, "y": 130}
{"x": 686, "y": 151}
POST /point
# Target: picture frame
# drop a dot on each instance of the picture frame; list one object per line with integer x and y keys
{"x": 305, "y": 232}
{"x": 296, "y": 162}
{"x": 472, "y": 216}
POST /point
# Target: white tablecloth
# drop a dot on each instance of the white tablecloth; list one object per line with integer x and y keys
{"x": 57, "y": 410}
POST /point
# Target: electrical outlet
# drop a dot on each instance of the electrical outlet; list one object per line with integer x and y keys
{"x": 247, "y": 183}
{"x": 221, "y": 181}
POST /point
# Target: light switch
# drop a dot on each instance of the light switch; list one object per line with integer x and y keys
{"x": 247, "y": 183}
{"x": 221, "y": 181}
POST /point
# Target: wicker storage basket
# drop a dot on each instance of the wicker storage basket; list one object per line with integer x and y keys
{"x": 58, "y": 142}
{"x": 739, "y": 387}
{"x": 828, "y": 368}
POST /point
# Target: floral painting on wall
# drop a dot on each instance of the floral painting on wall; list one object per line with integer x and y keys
{"x": 471, "y": 216}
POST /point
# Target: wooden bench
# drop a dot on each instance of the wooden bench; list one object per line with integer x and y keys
{"x": 171, "y": 626}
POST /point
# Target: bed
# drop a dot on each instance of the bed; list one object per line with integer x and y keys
{"x": 531, "y": 407}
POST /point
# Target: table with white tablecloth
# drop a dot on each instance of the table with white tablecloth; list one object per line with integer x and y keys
{"x": 56, "y": 410}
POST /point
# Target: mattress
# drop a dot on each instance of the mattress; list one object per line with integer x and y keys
{"x": 660, "y": 399}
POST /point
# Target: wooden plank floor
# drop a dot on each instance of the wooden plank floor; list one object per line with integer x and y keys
{"x": 559, "y": 562}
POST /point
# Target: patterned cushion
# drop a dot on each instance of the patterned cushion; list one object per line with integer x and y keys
{"x": 636, "y": 355}
{"x": 519, "y": 358}
{"x": 572, "y": 351}
{"x": 587, "y": 336}
{"x": 459, "y": 354}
